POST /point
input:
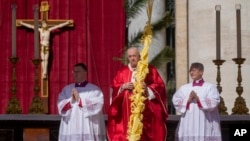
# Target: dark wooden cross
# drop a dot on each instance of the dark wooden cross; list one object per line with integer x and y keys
{"x": 44, "y": 9}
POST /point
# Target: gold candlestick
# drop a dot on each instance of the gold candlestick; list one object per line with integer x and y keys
{"x": 13, "y": 105}
{"x": 239, "y": 104}
{"x": 36, "y": 105}
{"x": 221, "y": 106}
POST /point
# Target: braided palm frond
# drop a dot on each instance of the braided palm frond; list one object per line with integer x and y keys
{"x": 135, "y": 125}
{"x": 164, "y": 22}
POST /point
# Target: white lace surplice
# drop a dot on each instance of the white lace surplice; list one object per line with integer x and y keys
{"x": 198, "y": 124}
{"x": 84, "y": 123}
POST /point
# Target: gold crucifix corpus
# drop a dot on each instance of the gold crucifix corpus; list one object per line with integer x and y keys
{"x": 46, "y": 26}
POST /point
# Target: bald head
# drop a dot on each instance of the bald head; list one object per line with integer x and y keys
{"x": 133, "y": 50}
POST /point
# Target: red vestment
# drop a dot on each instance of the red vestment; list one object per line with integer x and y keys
{"x": 154, "y": 115}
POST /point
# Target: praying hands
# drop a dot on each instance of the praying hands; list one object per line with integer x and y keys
{"x": 193, "y": 97}
{"x": 75, "y": 95}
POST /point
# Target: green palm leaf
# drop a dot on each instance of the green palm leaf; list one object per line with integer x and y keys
{"x": 134, "y": 7}
{"x": 165, "y": 56}
{"x": 164, "y": 22}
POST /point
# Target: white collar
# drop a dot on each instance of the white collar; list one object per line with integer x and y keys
{"x": 130, "y": 68}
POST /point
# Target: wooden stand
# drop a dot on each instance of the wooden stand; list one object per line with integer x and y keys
{"x": 45, "y": 93}
{"x": 239, "y": 104}
{"x": 222, "y": 107}
{"x": 13, "y": 105}
{"x": 36, "y": 105}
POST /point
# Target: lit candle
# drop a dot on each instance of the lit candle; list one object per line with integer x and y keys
{"x": 13, "y": 7}
{"x": 36, "y": 36}
{"x": 238, "y": 26}
{"x": 217, "y": 8}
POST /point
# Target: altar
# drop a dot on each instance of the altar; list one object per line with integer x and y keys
{"x": 36, "y": 127}
{"x": 29, "y": 127}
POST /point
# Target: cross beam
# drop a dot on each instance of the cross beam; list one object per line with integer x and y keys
{"x": 44, "y": 10}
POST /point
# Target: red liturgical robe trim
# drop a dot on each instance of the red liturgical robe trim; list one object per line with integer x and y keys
{"x": 68, "y": 106}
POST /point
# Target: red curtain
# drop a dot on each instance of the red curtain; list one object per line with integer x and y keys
{"x": 97, "y": 37}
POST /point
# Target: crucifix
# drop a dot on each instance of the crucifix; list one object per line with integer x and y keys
{"x": 46, "y": 25}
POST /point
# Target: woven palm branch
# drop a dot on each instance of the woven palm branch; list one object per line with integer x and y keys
{"x": 163, "y": 23}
